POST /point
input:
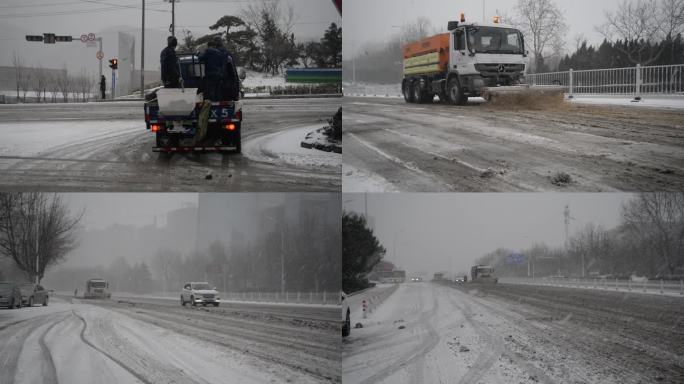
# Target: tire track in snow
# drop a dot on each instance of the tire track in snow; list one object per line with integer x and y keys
{"x": 417, "y": 356}
{"x": 50, "y": 374}
{"x": 495, "y": 349}
{"x": 105, "y": 353}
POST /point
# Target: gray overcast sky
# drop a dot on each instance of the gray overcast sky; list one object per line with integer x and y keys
{"x": 139, "y": 209}
{"x": 104, "y": 17}
{"x": 372, "y": 21}
{"x": 434, "y": 232}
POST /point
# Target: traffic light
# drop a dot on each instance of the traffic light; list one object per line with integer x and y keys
{"x": 48, "y": 38}
{"x": 34, "y": 38}
{"x": 65, "y": 39}
{"x": 113, "y": 63}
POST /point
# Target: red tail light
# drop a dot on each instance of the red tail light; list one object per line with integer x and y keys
{"x": 238, "y": 115}
{"x": 231, "y": 126}
{"x": 155, "y": 127}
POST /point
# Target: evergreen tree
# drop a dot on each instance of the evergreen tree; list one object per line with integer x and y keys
{"x": 361, "y": 251}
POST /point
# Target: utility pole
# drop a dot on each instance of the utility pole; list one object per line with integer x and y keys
{"x": 172, "y": 28}
{"x": 282, "y": 260}
{"x": 566, "y": 220}
{"x": 142, "y": 54}
{"x": 484, "y": 17}
{"x": 99, "y": 39}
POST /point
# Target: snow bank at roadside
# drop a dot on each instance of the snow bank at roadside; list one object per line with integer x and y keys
{"x": 674, "y": 102}
{"x": 285, "y": 146}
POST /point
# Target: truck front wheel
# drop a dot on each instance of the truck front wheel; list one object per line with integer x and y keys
{"x": 456, "y": 96}
{"x": 408, "y": 92}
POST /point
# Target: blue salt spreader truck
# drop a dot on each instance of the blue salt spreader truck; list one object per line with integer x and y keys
{"x": 172, "y": 113}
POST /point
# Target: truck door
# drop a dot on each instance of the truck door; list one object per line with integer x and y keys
{"x": 459, "y": 51}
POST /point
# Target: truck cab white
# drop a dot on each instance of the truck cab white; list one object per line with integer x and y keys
{"x": 199, "y": 293}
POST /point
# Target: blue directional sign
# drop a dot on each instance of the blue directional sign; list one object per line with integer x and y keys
{"x": 515, "y": 258}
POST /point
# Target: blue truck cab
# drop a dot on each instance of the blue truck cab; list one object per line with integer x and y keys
{"x": 176, "y": 133}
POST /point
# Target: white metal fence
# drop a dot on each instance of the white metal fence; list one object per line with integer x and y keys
{"x": 636, "y": 81}
{"x": 323, "y": 297}
{"x": 663, "y": 287}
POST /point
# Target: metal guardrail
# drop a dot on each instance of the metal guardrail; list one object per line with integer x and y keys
{"x": 645, "y": 286}
{"x": 323, "y": 297}
{"x": 328, "y": 298}
{"x": 636, "y": 81}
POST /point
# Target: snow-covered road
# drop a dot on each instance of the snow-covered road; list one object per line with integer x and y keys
{"x": 105, "y": 147}
{"x": 77, "y": 341}
{"x": 394, "y": 146}
{"x": 506, "y": 334}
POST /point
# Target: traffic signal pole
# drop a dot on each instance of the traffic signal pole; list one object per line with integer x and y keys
{"x": 142, "y": 54}
{"x": 113, "y": 83}
{"x": 99, "y": 39}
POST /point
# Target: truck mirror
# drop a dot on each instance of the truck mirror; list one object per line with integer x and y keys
{"x": 452, "y": 25}
{"x": 242, "y": 74}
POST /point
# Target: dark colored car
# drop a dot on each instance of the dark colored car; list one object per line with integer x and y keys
{"x": 10, "y": 295}
{"x": 33, "y": 294}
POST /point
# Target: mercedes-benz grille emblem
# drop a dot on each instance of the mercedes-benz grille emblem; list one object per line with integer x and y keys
{"x": 501, "y": 68}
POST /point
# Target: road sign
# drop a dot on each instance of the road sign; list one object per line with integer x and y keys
{"x": 91, "y": 36}
{"x": 84, "y": 38}
{"x": 515, "y": 258}
{"x": 99, "y": 55}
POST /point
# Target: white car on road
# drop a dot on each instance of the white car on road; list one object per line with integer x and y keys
{"x": 199, "y": 293}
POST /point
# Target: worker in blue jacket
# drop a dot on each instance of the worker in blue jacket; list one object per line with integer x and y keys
{"x": 214, "y": 68}
{"x": 170, "y": 70}
{"x": 230, "y": 87}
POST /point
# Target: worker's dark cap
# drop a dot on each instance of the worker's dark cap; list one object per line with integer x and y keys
{"x": 171, "y": 40}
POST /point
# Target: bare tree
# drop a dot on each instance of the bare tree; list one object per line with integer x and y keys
{"x": 165, "y": 263}
{"x": 53, "y": 85}
{"x": 638, "y": 22}
{"x": 543, "y": 24}
{"x": 657, "y": 220}
{"x": 19, "y": 70}
{"x": 36, "y": 231}
{"x": 39, "y": 83}
{"x": 64, "y": 85}
{"x": 273, "y": 24}
{"x": 671, "y": 18}
{"x": 22, "y": 75}
{"x": 283, "y": 15}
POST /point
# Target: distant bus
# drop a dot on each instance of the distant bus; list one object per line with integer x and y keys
{"x": 483, "y": 274}
{"x": 97, "y": 289}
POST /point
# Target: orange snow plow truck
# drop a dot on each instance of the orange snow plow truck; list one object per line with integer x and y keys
{"x": 470, "y": 60}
